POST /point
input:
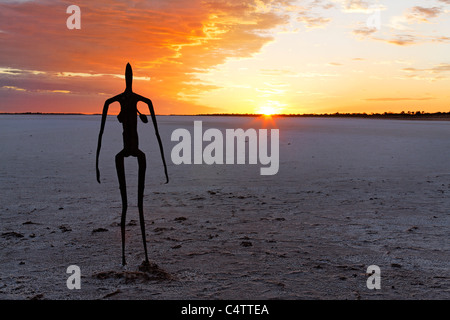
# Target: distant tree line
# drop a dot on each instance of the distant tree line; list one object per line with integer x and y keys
{"x": 413, "y": 115}
{"x": 384, "y": 115}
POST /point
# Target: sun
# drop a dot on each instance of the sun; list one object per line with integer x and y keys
{"x": 270, "y": 107}
{"x": 267, "y": 111}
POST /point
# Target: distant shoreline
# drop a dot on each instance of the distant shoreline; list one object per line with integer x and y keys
{"x": 444, "y": 116}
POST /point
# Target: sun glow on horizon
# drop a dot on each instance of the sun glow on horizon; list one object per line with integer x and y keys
{"x": 270, "y": 108}
{"x": 267, "y": 111}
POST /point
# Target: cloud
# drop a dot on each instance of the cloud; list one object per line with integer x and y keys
{"x": 437, "y": 72}
{"x": 13, "y": 88}
{"x": 403, "y": 29}
{"x": 166, "y": 42}
{"x": 398, "y": 99}
{"x": 415, "y": 15}
{"x": 309, "y": 15}
{"x": 359, "y": 6}
{"x": 421, "y": 14}
{"x": 399, "y": 38}
{"x": 355, "y": 5}
{"x": 293, "y": 74}
{"x": 364, "y": 31}
{"x": 411, "y": 39}
{"x": 278, "y": 72}
{"x": 443, "y": 67}
{"x": 313, "y": 22}
{"x": 37, "y": 91}
{"x": 402, "y": 40}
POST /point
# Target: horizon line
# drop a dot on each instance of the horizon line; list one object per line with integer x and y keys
{"x": 336, "y": 114}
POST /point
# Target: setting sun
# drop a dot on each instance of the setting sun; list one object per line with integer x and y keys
{"x": 268, "y": 111}
{"x": 270, "y": 108}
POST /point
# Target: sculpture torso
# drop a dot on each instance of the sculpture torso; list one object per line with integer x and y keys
{"x": 128, "y": 117}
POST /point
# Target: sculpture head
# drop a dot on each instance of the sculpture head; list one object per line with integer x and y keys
{"x": 128, "y": 76}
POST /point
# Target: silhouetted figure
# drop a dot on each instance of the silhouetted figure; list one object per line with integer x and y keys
{"x": 128, "y": 117}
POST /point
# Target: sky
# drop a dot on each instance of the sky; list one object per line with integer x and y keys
{"x": 218, "y": 56}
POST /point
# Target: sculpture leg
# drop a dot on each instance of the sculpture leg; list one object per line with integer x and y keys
{"x": 141, "y": 184}
{"x": 123, "y": 192}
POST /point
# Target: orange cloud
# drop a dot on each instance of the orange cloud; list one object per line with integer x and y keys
{"x": 166, "y": 42}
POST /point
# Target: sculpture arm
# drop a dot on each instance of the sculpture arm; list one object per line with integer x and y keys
{"x": 155, "y": 124}
{"x": 102, "y": 127}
